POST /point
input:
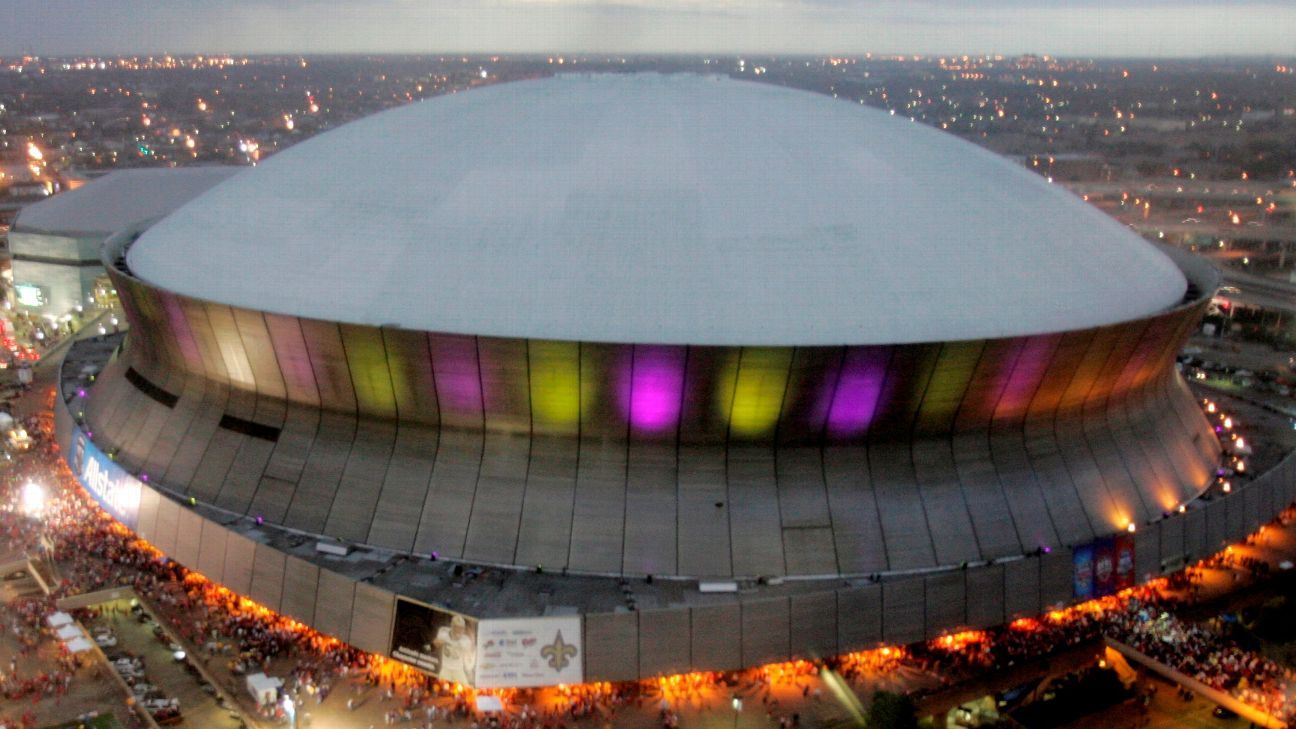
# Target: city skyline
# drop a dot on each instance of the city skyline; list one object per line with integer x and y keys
{"x": 1089, "y": 28}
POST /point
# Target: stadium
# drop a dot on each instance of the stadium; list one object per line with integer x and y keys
{"x": 604, "y": 377}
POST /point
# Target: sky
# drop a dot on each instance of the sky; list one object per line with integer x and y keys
{"x": 1091, "y": 28}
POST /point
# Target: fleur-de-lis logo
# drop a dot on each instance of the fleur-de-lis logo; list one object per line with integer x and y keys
{"x": 559, "y": 653}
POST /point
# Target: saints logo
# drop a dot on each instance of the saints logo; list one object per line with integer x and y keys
{"x": 559, "y": 653}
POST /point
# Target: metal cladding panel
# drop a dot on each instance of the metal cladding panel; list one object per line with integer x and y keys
{"x": 206, "y": 414}
{"x": 1147, "y": 551}
{"x": 1024, "y": 379}
{"x": 997, "y": 535}
{"x": 160, "y": 456}
{"x": 289, "y": 346}
{"x": 1216, "y": 524}
{"x": 313, "y": 497}
{"x": 497, "y": 506}
{"x": 300, "y": 587}
{"x": 556, "y": 386}
{"x": 371, "y": 619}
{"x": 765, "y": 631}
{"x": 230, "y": 345}
{"x": 758, "y": 392}
{"x": 986, "y": 384}
{"x": 456, "y": 372}
{"x": 328, "y": 362}
{"x": 1071, "y": 519}
{"x": 244, "y": 474}
{"x": 211, "y": 550}
{"x": 907, "y": 378}
{"x": 703, "y": 519}
{"x": 612, "y": 646}
{"x": 904, "y": 611}
{"x": 859, "y": 618}
{"x": 1266, "y": 502}
{"x": 755, "y": 532}
{"x": 168, "y": 521}
{"x": 1056, "y": 579}
{"x": 370, "y": 377}
{"x": 955, "y": 540}
{"x": 709, "y": 377}
{"x": 814, "y": 371}
{"x": 949, "y": 381}
{"x": 1061, "y": 371}
{"x": 213, "y": 364}
{"x": 1021, "y": 589}
{"x": 651, "y": 514}
{"x": 350, "y": 516}
{"x": 814, "y": 625}
{"x": 598, "y": 511}
{"x": 716, "y": 637}
{"x": 905, "y": 524}
{"x": 1251, "y": 498}
{"x": 1032, "y": 515}
{"x": 1171, "y": 542}
{"x": 1194, "y": 526}
{"x": 1235, "y": 522}
{"x": 605, "y": 399}
{"x": 857, "y": 527}
{"x": 260, "y": 353}
{"x": 664, "y": 638}
{"x": 544, "y": 531}
{"x": 146, "y": 527}
{"x": 505, "y": 378}
{"x": 946, "y": 603}
{"x": 333, "y": 604}
{"x": 188, "y": 533}
{"x": 240, "y": 552}
{"x": 985, "y": 596}
{"x": 443, "y": 523}
{"x": 267, "y": 576}
{"x": 405, "y": 488}
{"x": 413, "y": 385}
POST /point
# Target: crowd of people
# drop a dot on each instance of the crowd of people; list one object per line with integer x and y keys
{"x": 1203, "y": 653}
{"x": 92, "y": 551}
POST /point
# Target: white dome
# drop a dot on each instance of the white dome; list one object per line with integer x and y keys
{"x": 667, "y": 209}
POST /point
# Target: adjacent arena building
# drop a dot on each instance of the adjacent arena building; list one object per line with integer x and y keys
{"x": 602, "y": 377}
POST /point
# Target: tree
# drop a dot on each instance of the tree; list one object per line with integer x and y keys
{"x": 892, "y": 711}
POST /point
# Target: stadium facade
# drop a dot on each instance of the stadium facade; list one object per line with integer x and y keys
{"x": 618, "y": 376}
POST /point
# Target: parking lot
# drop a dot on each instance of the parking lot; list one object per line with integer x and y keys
{"x": 135, "y": 634}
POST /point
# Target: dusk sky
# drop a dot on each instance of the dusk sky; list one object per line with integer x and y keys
{"x": 1061, "y": 27}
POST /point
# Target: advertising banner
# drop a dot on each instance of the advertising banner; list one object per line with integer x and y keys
{"x": 1125, "y": 570}
{"x": 529, "y": 652}
{"x": 1082, "y": 566}
{"x": 1104, "y": 567}
{"x": 434, "y": 640}
{"x": 117, "y": 491}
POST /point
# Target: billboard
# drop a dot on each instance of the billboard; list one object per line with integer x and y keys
{"x": 1083, "y": 572}
{"x": 434, "y": 640}
{"x": 1104, "y": 566}
{"x": 117, "y": 491}
{"x": 1125, "y": 569}
{"x": 521, "y": 652}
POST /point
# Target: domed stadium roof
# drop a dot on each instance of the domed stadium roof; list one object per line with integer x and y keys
{"x": 676, "y": 209}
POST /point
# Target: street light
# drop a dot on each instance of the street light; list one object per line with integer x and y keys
{"x": 33, "y": 499}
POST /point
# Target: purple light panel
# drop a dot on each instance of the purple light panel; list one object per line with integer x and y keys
{"x": 855, "y": 400}
{"x": 656, "y": 388}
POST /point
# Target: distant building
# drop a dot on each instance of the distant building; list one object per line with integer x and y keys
{"x": 54, "y": 243}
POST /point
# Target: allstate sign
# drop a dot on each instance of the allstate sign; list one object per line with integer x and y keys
{"x": 117, "y": 491}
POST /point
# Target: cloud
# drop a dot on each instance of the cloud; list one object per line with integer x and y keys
{"x": 1063, "y": 27}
